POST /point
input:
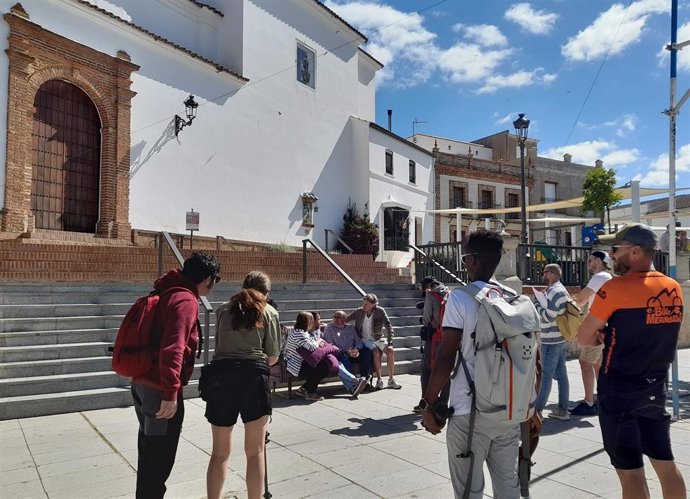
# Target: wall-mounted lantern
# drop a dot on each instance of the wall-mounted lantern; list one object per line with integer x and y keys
{"x": 190, "y": 106}
{"x": 309, "y": 207}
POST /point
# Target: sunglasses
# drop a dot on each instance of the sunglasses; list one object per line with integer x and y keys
{"x": 466, "y": 255}
{"x": 616, "y": 248}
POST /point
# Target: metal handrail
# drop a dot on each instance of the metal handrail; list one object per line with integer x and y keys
{"x": 318, "y": 248}
{"x": 165, "y": 237}
{"x": 420, "y": 252}
{"x": 345, "y": 245}
{"x": 219, "y": 242}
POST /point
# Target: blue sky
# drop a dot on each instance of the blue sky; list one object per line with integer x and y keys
{"x": 467, "y": 67}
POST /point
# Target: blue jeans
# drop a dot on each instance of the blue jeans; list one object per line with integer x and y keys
{"x": 346, "y": 377}
{"x": 364, "y": 360}
{"x": 553, "y": 363}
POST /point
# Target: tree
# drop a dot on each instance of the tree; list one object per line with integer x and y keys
{"x": 358, "y": 232}
{"x": 599, "y": 191}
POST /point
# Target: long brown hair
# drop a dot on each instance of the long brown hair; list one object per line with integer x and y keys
{"x": 303, "y": 320}
{"x": 247, "y": 309}
{"x": 247, "y": 306}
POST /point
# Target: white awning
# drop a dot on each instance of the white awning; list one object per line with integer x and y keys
{"x": 557, "y": 220}
{"x": 625, "y": 192}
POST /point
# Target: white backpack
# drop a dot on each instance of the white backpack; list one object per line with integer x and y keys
{"x": 505, "y": 347}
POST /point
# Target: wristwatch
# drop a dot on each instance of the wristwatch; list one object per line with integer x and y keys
{"x": 425, "y": 406}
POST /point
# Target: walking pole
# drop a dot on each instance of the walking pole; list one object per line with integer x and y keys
{"x": 267, "y": 494}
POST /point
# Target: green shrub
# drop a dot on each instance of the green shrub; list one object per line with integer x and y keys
{"x": 358, "y": 231}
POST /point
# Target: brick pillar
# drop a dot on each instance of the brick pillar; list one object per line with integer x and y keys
{"x": 16, "y": 216}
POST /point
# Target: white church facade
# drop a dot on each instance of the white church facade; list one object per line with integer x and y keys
{"x": 282, "y": 112}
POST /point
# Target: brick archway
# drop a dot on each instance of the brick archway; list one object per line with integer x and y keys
{"x": 35, "y": 56}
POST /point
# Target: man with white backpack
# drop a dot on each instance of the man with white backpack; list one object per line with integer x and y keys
{"x": 492, "y": 331}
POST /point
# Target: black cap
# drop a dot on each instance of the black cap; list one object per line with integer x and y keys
{"x": 428, "y": 281}
{"x": 638, "y": 234}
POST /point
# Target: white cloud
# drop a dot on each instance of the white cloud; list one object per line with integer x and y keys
{"x": 411, "y": 54}
{"x": 592, "y": 42}
{"x": 467, "y": 62}
{"x": 397, "y": 39}
{"x": 487, "y": 35}
{"x": 683, "y": 55}
{"x": 113, "y": 9}
{"x": 538, "y": 22}
{"x": 516, "y": 80}
{"x": 508, "y": 118}
{"x": 623, "y": 124}
{"x": 657, "y": 175}
{"x": 588, "y": 152}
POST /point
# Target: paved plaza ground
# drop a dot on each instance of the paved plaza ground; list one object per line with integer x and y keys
{"x": 344, "y": 448}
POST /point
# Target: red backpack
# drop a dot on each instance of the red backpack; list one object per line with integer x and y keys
{"x": 136, "y": 342}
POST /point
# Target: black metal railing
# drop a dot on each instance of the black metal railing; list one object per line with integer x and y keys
{"x": 320, "y": 250}
{"x": 487, "y": 205}
{"x": 164, "y": 238}
{"x": 342, "y": 243}
{"x": 396, "y": 243}
{"x": 572, "y": 260}
{"x": 661, "y": 262}
{"x": 461, "y": 202}
{"x": 442, "y": 261}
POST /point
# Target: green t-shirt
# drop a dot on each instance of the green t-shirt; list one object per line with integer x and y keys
{"x": 255, "y": 343}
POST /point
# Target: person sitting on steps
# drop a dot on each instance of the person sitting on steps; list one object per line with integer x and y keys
{"x": 370, "y": 321}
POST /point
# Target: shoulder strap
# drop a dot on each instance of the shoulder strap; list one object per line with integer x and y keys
{"x": 468, "y": 454}
{"x": 472, "y": 290}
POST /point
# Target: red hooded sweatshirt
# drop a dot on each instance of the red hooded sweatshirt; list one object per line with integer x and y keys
{"x": 176, "y": 321}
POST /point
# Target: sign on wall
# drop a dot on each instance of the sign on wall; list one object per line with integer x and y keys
{"x": 193, "y": 220}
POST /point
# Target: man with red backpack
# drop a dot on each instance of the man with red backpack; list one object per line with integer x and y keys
{"x": 157, "y": 394}
{"x": 435, "y": 295}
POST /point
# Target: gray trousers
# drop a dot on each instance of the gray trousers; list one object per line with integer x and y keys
{"x": 495, "y": 444}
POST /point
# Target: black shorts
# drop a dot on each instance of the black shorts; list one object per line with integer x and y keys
{"x": 633, "y": 426}
{"x": 236, "y": 389}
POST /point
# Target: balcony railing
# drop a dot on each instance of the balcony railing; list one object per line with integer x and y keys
{"x": 512, "y": 216}
{"x": 487, "y": 205}
{"x": 461, "y": 203}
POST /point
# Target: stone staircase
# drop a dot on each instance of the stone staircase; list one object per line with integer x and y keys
{"x": 54, "y": 338}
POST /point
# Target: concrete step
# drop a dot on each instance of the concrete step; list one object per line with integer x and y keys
{"x": 43, "y": 404}
{"x": 28, "y": 338}
{"x": 16, "y": 387}
{"x": 58, "y": 403}
{"x": 62, "y": 310}
{"x": 341, "y": 298}
{"x": 50, "y": 352}
{"x": 27, "y": 369}
{"x": 405, "y": 306}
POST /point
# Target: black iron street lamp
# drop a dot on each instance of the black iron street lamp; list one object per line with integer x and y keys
{"x": 190, "y": 106}
{"x": 521, "y": 126}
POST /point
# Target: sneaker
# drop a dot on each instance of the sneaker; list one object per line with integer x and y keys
{"x": 379, "y": 384}
{"x": 559, "y": 413}
{"x": 394, "y": 384}
{"x": 301, "y": 392}
{"x": 584, "y": 409}
{"x": 314, "y": 396}
{"x": 359, "y": 386}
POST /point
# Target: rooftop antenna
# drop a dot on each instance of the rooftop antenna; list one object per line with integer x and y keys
{"x": 416, "y": 122}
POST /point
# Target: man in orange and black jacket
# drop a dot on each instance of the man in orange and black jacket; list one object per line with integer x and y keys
{"x": 640, "y": 312}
